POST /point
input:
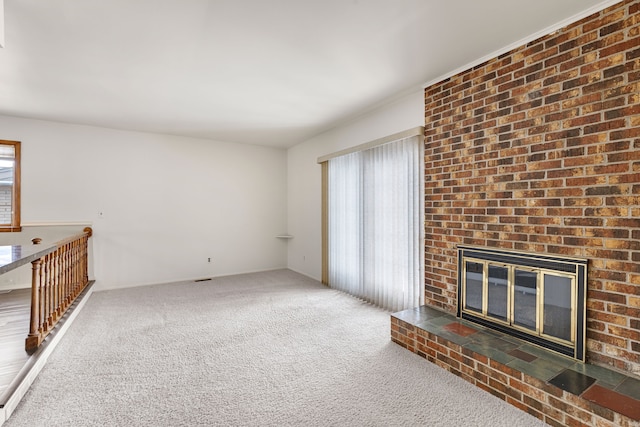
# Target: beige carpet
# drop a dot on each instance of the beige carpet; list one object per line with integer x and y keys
{"x": 264, "y": 349}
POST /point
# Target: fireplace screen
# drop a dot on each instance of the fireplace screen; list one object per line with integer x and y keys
{"x": 538, "y": 298}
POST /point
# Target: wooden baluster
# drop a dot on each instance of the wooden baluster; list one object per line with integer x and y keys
{"x": 76, "y": 282}
{"x": 59, "y": 293}
{"x": 41, "y": 292}
{"x": 52, "y": 289}
{"x": 67, "y": 276}
{"x": 71, "y": 275}
{"x": 33, "y": 339}
{"x": 63, "y": 274}
{"x": 75, "y": 268}
{"x": 82, "y": 249}
{"x": 63, "y": 279}
{"x": 45, "y": 293}
{"x": 60, "y": 307}
{"x": 59, "y": 284}
{"x": 80, "y": 261}
{"x": 51, "y": 281}
{"x": 85, "y": 254}
{"x": 82, "y": 254}
{"x": 55, "y": 286}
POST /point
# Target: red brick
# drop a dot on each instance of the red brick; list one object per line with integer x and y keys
{"x": 587, "y": 181}
{"x": 583, "y": 201}
{"x": 625, "y": 178}
{"x": 504, "y": 389}
{"x": 619, "y": 47}
{"x": 610, "y": 233}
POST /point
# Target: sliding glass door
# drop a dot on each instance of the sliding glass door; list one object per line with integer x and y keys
{"x": 375, "y": 223}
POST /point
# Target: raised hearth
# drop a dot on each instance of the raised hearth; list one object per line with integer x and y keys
{"x": 554, "y": 388}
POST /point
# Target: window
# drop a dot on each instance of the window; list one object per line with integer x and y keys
{"x": 372, "y": 243}
{"x": 9, "y": 186}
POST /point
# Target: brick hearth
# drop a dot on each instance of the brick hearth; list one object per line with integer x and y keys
{"x": 554, "y": 388}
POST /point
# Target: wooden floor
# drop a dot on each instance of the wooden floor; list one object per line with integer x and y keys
{"x": 14, "y": 327}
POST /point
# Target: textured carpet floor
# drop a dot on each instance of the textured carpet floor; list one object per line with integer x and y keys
{"x": 265, "y": 349}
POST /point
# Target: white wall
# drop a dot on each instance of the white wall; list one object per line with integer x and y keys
{"x": 159, "y": 205}
{"x": 304, "y": 176}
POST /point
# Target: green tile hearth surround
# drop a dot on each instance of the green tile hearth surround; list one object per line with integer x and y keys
{"x": 551, "y": 387}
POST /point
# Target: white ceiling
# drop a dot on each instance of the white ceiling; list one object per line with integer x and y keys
{"x": 268, "y": 72}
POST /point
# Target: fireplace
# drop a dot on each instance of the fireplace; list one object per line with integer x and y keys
{"x": 538, "y": 151}
{"x": 534, "y": 297}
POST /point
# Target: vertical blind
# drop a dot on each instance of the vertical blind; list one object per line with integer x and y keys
{"x": 375, "y": 224}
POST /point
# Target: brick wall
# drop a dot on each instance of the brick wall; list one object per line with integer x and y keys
{"x": 539, "y": 150}
{"x": 5, "y": 204}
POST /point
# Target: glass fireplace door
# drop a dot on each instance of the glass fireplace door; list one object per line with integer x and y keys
{"x": 525, "y": 299}
{"x": 558, "y": 309}
{"x": 532, "y": 300}
{"x": 498, "y": 293}
{"x": 474, "y": 288}
{"x": 535, "y": 297}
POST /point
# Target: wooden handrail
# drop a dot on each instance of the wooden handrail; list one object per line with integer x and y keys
{"x": 57, "y": 278}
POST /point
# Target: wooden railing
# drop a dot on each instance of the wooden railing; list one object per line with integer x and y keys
{"x": 56, "y": 281}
